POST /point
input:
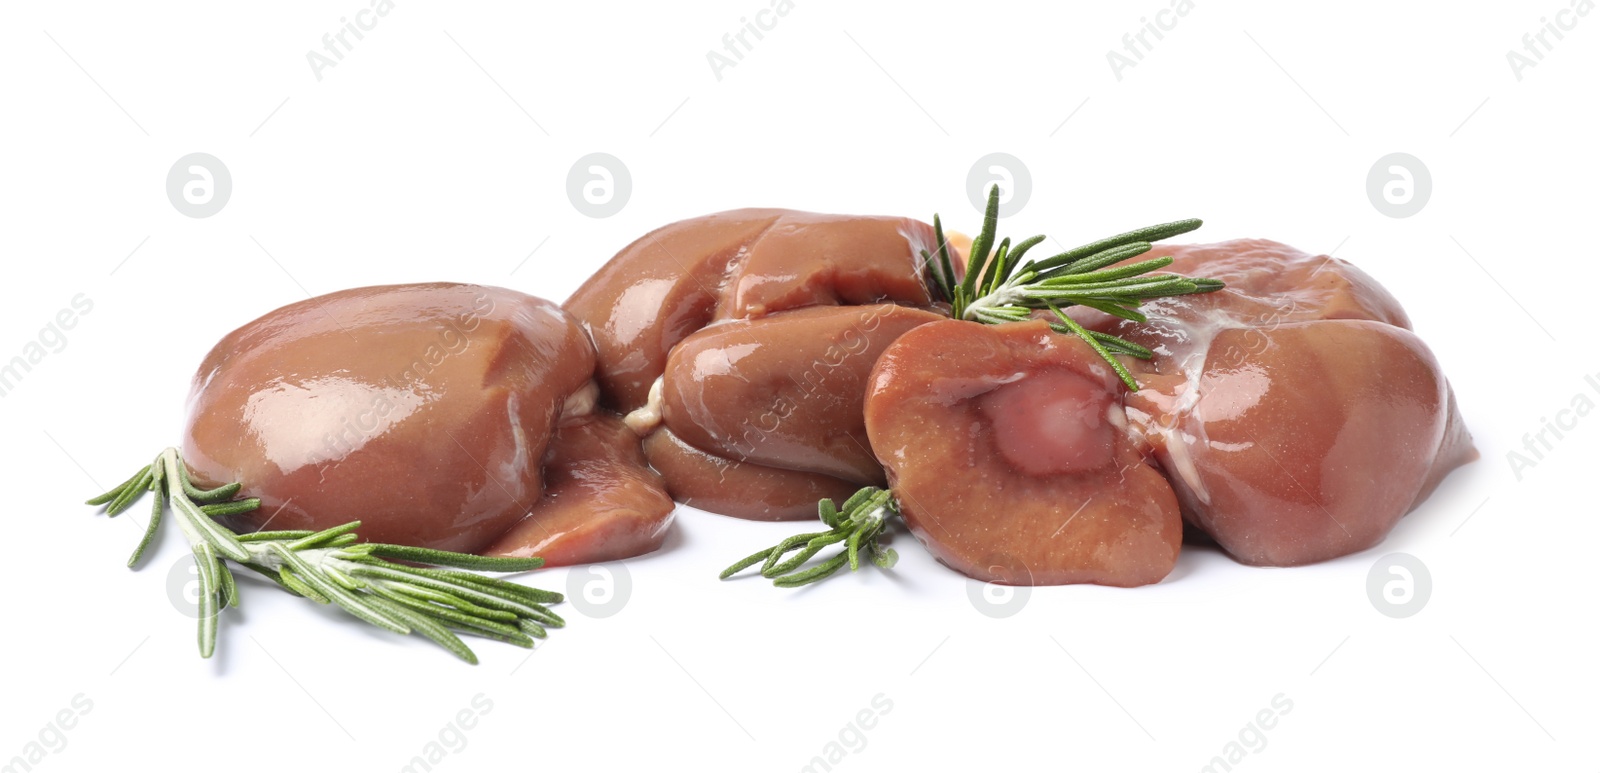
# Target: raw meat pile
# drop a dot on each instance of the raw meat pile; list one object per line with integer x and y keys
{"x": 754, "y": 362}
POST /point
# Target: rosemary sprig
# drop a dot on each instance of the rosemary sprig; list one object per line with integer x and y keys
{"x": 999, "y": 287}
{"x": 858, "y": 523}
{"x": 333, "y": 567}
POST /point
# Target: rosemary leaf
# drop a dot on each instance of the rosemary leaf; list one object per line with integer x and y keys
{"x": 1152, "y": 233}
{"x": 1122, "y": 370}
{"x": 451, "y": 616}
{"x": 425, "y": 595}
{"x": 858, "y": 522}
{"x": 238, "y": 507}
{"x": 205, "y": 558}
{"x": 266, "y": 536}
{"x": 979, "y": 252}
{"x": 118, "y": 489}
{"x": 948, "y": 279}
{"x": 157, "y": 507}
{"x": 458, "y": 560}
{"x": 130, "y": 493}
{"x": 427, "y": 627}
{"x": 294, "y": 583}
{"x": 349, "y": 601}
{"x": 1097, "y": 260}
{"x": 322, "y": 538}
{"x": 1129, "y": 270}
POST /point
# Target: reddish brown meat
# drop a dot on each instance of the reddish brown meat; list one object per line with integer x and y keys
{"x": 1012, "y": 461}
{"x": 745, "y": 325}
{"x": 1308, "y": 449}
{"x": 601, "y": 500}
{"x": 786, "y": 390}
{"x": 741, "y": 489}
{"x": 424, "y": 411}
{"x": 737, "y": 265}
{"x": 1294, "y": 412}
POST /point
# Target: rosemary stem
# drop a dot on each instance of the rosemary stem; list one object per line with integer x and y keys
{"x": 1000, "y": 288}
{"x": 329, "y": 566}
{"x": 1008, "y": 294}
{"x": 859, "y": 524}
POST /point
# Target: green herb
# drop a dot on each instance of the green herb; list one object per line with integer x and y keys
{"x": 858, "y": 524}
{"x": 999, "y": 288}
{"x": 333, "y": 566}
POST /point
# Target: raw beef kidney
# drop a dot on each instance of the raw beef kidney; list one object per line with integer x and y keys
{"x": 742, "y": 264}
{"x": 425, "y": 411}
{"x": 601, "y": 502}
{"x": 1296, "y": 414}
{"x": 1012, "y": 461}
{"x": 779, "y": 398}
{"x": 740, "y": 343}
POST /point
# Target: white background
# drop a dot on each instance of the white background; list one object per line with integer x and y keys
{"x": 438, "y": 149}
